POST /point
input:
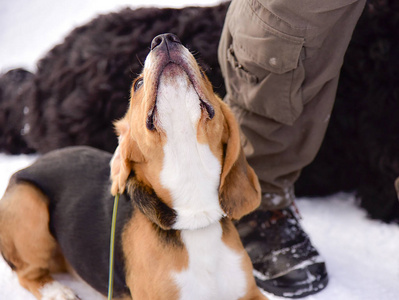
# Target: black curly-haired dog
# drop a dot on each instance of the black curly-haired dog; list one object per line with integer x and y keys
{"x": 82, "y": 85}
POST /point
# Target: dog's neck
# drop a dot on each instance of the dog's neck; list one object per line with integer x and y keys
{"x": 146, "y": 200}
{"x": 193, "y": 181}
{"x": 190, "y": 170}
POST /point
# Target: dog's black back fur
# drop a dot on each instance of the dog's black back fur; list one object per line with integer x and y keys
{"x": 76, "y": 180}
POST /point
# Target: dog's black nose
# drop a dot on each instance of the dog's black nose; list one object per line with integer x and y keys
{"x": 166, "y": 38}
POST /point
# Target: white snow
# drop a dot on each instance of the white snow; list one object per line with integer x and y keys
{"x": 362, "y": 255}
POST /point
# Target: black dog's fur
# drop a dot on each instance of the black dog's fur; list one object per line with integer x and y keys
{"x": 13, "y": 89}
{"x": 361, "y": 149}
{"x": 82, "y": 85}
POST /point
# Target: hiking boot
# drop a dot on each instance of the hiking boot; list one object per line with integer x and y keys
{"x": 285, "y": 262}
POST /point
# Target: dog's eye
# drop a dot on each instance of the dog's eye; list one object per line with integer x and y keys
{"x": 138, "y": 83}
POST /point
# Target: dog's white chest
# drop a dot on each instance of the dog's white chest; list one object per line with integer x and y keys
{"x": 214, "y": 270}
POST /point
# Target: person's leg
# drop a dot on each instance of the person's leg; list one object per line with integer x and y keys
{"x": 281, "y": 61}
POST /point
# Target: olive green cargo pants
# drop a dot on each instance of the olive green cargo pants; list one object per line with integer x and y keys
{"x": 281, "y": 61}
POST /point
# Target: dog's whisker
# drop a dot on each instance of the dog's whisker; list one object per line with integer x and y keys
{"x": 139, "y": 60}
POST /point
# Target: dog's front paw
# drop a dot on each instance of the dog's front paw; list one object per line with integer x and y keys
{"x": 56, "y": 291}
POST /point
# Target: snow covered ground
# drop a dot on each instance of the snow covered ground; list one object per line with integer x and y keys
{"x": 362, "y": 255}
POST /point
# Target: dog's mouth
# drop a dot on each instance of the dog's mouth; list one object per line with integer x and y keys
{"x": 167, "y": 63}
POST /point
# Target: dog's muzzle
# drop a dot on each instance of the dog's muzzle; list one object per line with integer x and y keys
{"x": 167, "y": 49}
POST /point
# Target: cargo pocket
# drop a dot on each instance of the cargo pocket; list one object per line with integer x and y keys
{"x": 265, "y": 73}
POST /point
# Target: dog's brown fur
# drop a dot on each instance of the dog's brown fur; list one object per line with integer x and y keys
{"x": 25, "y": 239}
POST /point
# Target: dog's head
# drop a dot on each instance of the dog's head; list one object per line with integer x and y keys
{"x": 183, "y": 142}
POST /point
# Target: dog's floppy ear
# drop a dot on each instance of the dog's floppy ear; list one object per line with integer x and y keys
{"x": 124, "y": 156}
{"x": 397, "y": 186}
{"x": 239, "y": 188}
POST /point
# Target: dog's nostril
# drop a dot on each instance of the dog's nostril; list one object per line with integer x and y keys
{"x": 166, "y": 37}
{"x": 156, "y": 41}
{"x": 173, "y": 38}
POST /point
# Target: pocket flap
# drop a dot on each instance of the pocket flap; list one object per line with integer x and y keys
{"x": 276, "y": 53}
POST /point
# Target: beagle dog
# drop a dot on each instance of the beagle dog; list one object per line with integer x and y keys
{"x": 182, "y": 177}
